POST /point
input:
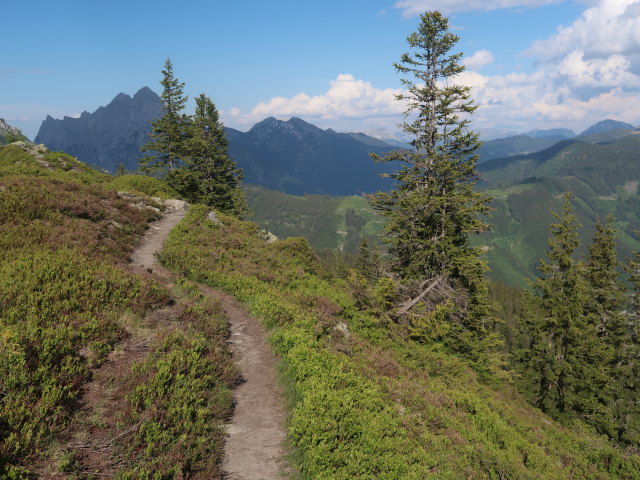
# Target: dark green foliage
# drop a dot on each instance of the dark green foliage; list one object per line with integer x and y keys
{"x": 192, "y": 151}
{"x": 627, "y": 371}
{"x": 368, "y": 262}
{"x": 210, "y": 176}
{"x": 354, "y": 224}
{"x": 574, "y": 331}
{"x": 606, "y": 291}
{"x": 557, "y": 327}
{"x": 166, "y": 147}
{"x": 434, "y": 209}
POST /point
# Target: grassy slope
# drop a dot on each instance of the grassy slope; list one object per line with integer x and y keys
{"x": 318, "y": 218}
{"x": 67, "y": 300}
{"x": 366, "y": 401}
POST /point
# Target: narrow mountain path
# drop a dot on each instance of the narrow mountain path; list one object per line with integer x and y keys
{"x": 256, "y": 436}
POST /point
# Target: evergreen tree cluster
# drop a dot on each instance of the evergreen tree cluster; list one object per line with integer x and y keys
{"x": 191, "y": 151}
{"x": 580, "y": 351}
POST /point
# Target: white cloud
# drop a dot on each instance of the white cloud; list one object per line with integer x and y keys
{"x": 587, "y": 71}
{"x": 597, "y": 72}
{"x": 416, "y": 7}
{"x": 479, "y": 59}
{"x": 346, "y": 98}
{"x": 608, "y": 27}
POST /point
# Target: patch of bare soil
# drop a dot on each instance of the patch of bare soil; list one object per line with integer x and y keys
{"x": 256, "y": 436}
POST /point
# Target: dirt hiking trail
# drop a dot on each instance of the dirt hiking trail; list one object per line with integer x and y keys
{"x": 256, "y": 436}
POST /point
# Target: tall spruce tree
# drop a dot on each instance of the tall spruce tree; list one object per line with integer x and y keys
{"x": 211, "y": 176}
{"x": 562, "y": 297}
{"x": 627, "y": 372}
{"x": 607, "y": 292}
{"x": 568, "y": 361}
{"x": 434, "y": 209}
{"x": 167, "y": 138}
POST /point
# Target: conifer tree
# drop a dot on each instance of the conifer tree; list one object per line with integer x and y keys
{"x": 166, "y": 147}
{"x": 562, "y": 293}
{"x": 434, "y": 209}
{"x": 567, "y": 362}
{"x": 211, "y": 176}
{"x": 367, "y": 262}
{"x": 627, "y": 372}
{"x": 607, "y": 292}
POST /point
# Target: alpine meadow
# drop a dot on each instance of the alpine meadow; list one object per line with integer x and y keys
{"x": 183, "y": 300}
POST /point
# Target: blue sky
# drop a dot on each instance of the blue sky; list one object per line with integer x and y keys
{"x": 531, "y": 63}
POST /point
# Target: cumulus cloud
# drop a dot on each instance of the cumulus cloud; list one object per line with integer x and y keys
{"x": 347, "y": 97}
{"x": 608, "y": 27}
{"x": 479, "y": 59}
{"x": 416, "y": 7}
{"x": 597, "y": 72}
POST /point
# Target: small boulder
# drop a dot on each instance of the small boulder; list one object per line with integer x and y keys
{"x": 214, "y": 218}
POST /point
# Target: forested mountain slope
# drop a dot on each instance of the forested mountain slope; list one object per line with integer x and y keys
{"x": 296, "y": 157}
{"x": 604, "y": 180}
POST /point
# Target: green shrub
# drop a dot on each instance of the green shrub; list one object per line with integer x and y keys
{"x": 142, "y": 184}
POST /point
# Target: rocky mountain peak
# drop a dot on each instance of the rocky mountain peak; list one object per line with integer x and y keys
{"x": 110, "y": 136}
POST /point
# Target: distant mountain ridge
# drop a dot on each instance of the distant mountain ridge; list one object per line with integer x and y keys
{"x": 537, "y": 140}
{"x": 293, "y": 156}
{"x": 297, "y": 157}
{"x": 603, "y": 179}
{"x": 110, "y": 136}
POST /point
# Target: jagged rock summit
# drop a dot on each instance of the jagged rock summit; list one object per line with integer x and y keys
{"x": 108, "y": 137}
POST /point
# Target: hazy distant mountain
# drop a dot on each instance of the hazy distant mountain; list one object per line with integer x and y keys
{"x": 366, "y": 139}
{"x": 516, "y": 145}
{"x": 109, "y": 136}
{"x": 292, "y": 156}
{"x": 297, "y": 158}
{"x": 398, "y": 143}
{"x": 607, "y": 126}
{"x": 559, "y": 133}
{"x": 533, "y": 141}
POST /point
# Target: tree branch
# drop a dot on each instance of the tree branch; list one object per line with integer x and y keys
{"x": 409, "y": 304}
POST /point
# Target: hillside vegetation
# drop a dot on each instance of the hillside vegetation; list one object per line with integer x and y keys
{"x": 368, "y": 400}
{"x": 68, "y": 304}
